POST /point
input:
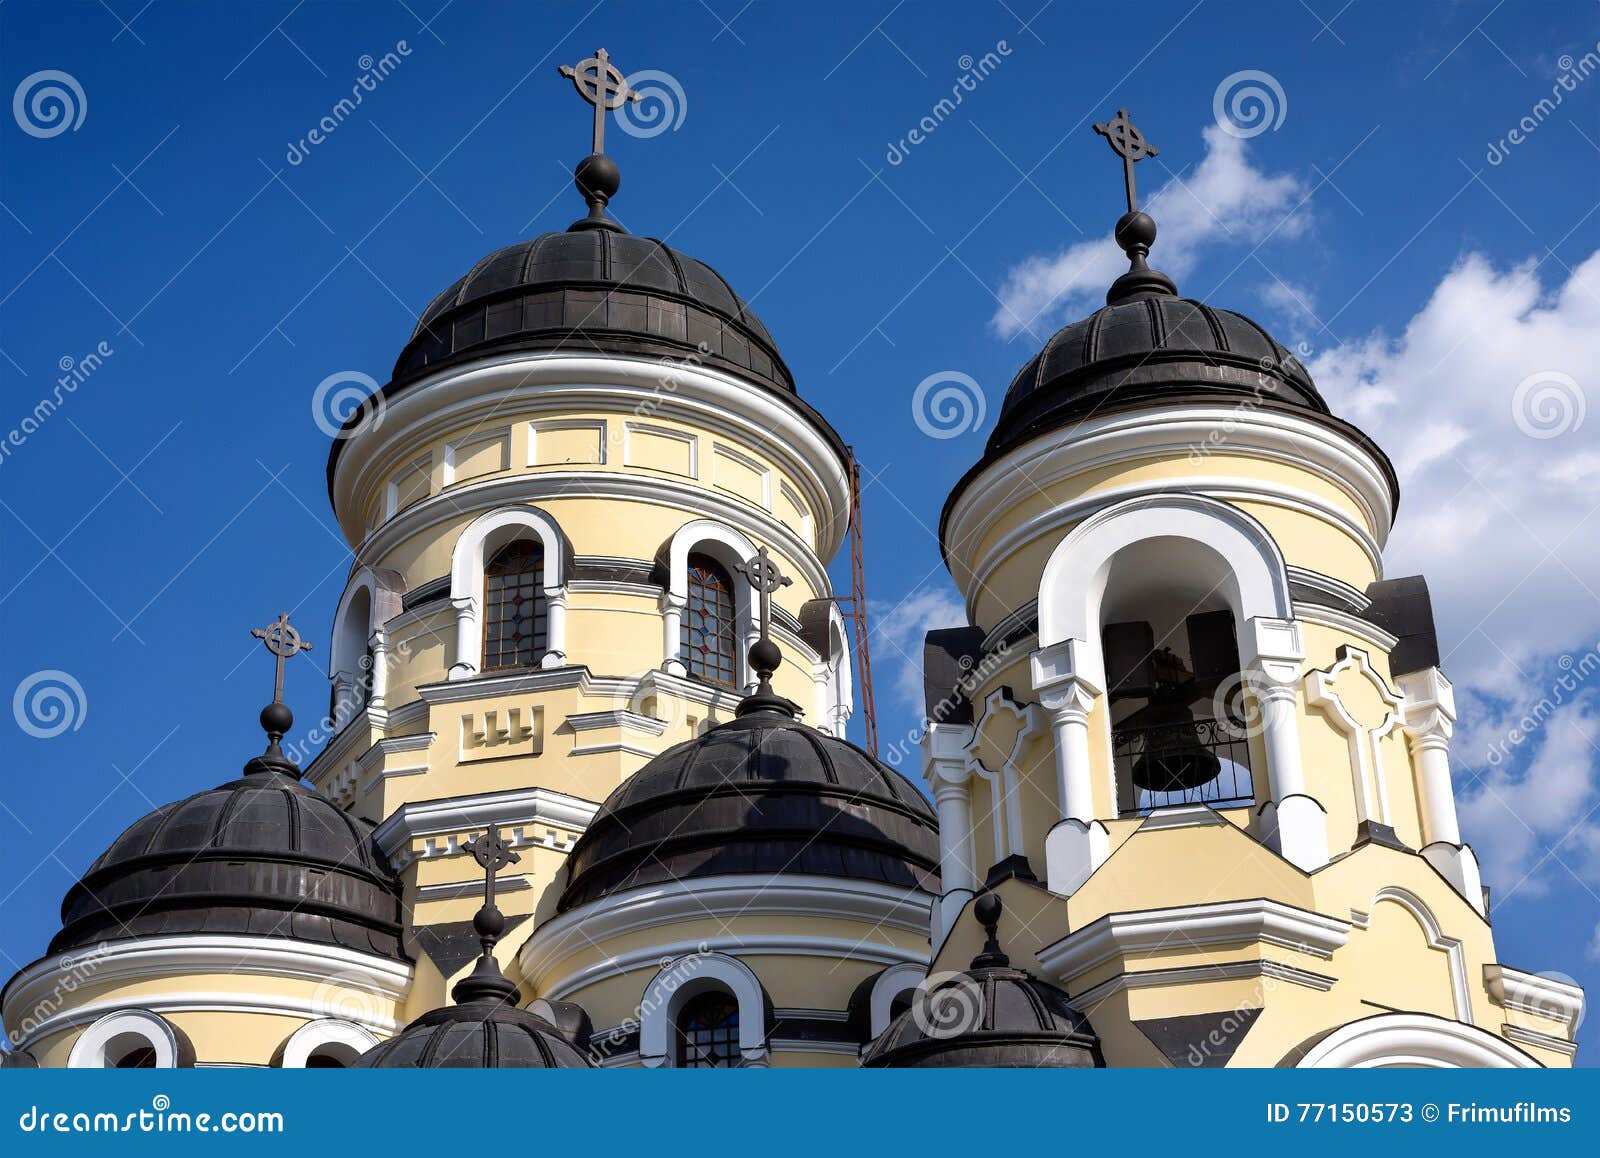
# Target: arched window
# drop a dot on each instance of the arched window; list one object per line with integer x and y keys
{"x": 710, "y": 627}
{"x": 708, "y": 1031}
{"x": 140, "y": 1057}
{"x": 515, "y": 615}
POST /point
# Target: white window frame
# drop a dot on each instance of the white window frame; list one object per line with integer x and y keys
{"x": 689, "y": 976}
{"x": 114, "y": 1036}
{"x": 483, "y": 536}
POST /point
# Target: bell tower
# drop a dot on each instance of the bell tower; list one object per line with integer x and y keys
{"x": 1193, "y": 732}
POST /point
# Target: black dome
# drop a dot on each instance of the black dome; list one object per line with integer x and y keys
{"x": 989, "y": 1016}
{"x": 482, "y": 1034}
{"x": 595, "y": 290}
{"x": 762, "y": 793}
{"x": 262, "y": 855}
{"x": 1152, "y": 348}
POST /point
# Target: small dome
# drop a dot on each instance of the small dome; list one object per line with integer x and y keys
{"x": 990, "y": 1016}
{"x": 262, "y": 855}
{"x": 762, "y": 793}
{"x": 1150, "y": 348}
{"x": 17, "y": 1059}
{"x": 481, "y": 1034}
{"x": 595, "y": 290}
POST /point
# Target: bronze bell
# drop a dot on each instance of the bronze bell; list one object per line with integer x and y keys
{"x": 1173, "y": 759}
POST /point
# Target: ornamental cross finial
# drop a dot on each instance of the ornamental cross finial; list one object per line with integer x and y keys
{"x": 599, "y": 82}
{"x": 492, "y": 854}
{"x": 765, "y": 578}
{"x": 1127, "y": 142}
{"x": 284, "y": 642}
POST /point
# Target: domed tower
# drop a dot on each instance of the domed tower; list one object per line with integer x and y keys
{"x": 251, "y": 924}
{"x": 1193, "y": 734}
{"x": 737, "y": 896}
{"x": 552, "y": 505}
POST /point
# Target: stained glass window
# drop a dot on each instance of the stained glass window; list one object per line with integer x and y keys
{"x": 710, "y": 631}
{"x": 515, "y": 612}
{"x": 708, "y": 1032}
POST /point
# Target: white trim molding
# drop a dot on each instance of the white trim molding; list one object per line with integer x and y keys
{"x": 525, "y": 807}
{"x": 1411, "y": 1041}
{"x": 114, "y": 1036}
{"x": 1451, "y": 947}
{"x": 1556, "y": 1000}
{"x": 482, "y": 538}
{"x": 723, "y": 898}
{"x": 1119, "y": 935}
{"x": 333, "y": 1037}
{"x": 689, "y": 976}
{"x": 728, "y": 546}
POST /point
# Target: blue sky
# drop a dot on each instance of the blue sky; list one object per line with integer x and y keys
{"x": 1446, "y": 299}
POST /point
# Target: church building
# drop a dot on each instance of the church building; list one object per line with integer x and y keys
{"x": 1186, "y": 795}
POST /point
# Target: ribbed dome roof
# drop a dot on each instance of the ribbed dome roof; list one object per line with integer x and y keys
{"x": 595, "y": 290}
{"x": 1147, "y": 349}
{"x": 762, "y": 793}
{"x": 990, "y": 1015}
{"x": 484, "y": 1034}
{"x": 263, "y": 854}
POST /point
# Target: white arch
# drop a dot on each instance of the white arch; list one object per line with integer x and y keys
{"x": 111, "y": 1038}
{"x": 689, "y": 976}
{"x": 731, "y": 548}
{"x": 835, "y": 681}
{"x": 331, "y": 1036}
{"x": 1433, "y": 932}
{"x": 891, "y": 983}
{"x": 484, "y": 536}
{"x": 1412, "y": 1041}
{"x": 371, "y": 599}
{"x": 1072, "y": 586}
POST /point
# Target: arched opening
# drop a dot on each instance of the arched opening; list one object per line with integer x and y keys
{"x": 707, "y": 1031}
{"x": 352, "y": 657}
{"x": 1179, "y": 733}
{"x": 711, "y": 633}
{"x": 516, "y": 615}
{"x": 131, "y": 1039}
{"x": 140, "y": 1056}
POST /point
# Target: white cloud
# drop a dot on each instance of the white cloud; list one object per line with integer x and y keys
{"x": 897, "y": 634}
{"x": 1225, "y": 200}
{"x": 1501, "y": 522}
{"x": 1503, "y": 525}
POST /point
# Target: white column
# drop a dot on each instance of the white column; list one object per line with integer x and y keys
{"x": 947, "y": 768}
{"x": 1429, "y": 718}
{"x": 378, "y": 677}
{"x": 1293, "y": 821}
{"x": 469, "y": 638}
{"x": 345, "y": 699}
{"x": 1069, "y": 677}
{"x": 672, "y": 607}
{"x": 555, "y": 627}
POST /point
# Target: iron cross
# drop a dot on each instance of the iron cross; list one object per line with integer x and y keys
{"x": 765, "y": 578}
{"x": 1127, "y": 142}
{"x": 283, "y": 641}
{"x": 492, "y": 854}
{"x": 600, "y": 83}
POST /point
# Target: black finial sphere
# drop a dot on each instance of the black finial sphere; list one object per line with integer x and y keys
{"x": 1136, "y": 230}
{"x": 277, "y": 719}
{"x": 987, "y": 910}
{"x": 597, "y": 178}
{"x": 765, "y": 655}
{"x": 488, "y": 922}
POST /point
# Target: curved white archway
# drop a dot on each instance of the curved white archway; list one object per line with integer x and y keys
{"x": 891, "y": 983}
{"x": 1413, "y": 1041}
{"x": 837, "y": 701}
{"x": 482, "y": 538}
{"x": 731, "y": 548}
{"x": 357, "y": 656}
{"x": 688, "y": 976}
{"x": 1073, "y": 584}
{"x": 113, "y": 1037}
{"x": 332, "y": 1037}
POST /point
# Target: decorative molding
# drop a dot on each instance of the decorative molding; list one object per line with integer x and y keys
{"x": 1411, "y": 1040}
{"x": 1533, "y": 1037}
{"x": 1451, "y": 947}
{"x": 1089, "y": 999}
{"x": 1368, "y": 633}
{"x": 1534, "y": 994}
{"x": 1117, "y": 935}
{"x": 1363, "y": 740}
{"x": 523, "y": 806}
{"x": 721, "y": 899}
{"x": 1328, "y": 585}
